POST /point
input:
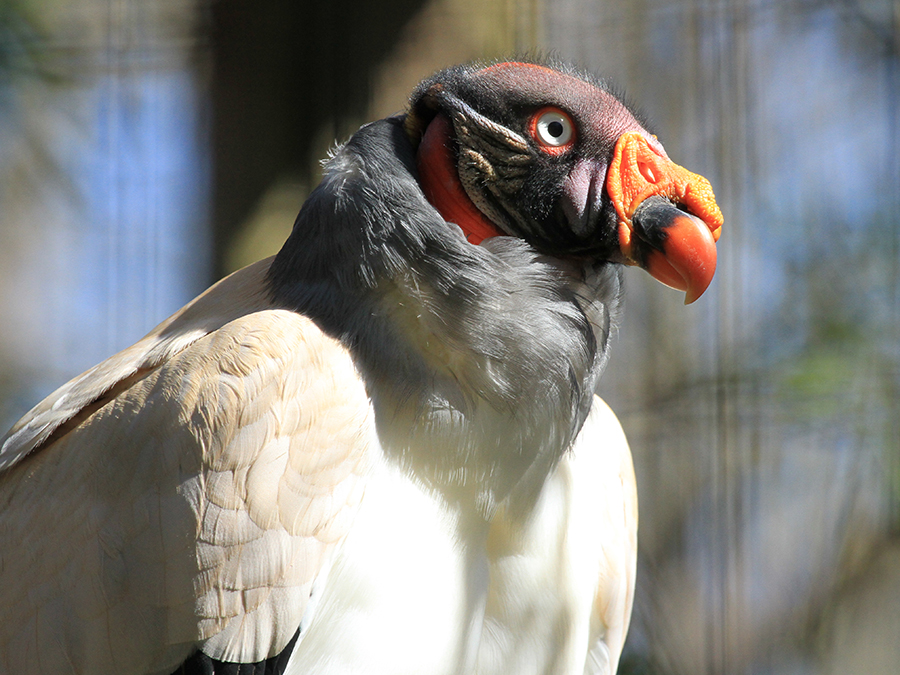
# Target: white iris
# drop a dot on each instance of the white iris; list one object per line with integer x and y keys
{"x": 554, "y": 128}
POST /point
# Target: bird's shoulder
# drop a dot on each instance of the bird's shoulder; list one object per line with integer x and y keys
{"x": 237, "y": 295}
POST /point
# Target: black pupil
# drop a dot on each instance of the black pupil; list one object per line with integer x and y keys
{"x": 555, "y": 129}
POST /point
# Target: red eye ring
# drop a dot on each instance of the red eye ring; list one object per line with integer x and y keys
{"x": 553, "y": 130}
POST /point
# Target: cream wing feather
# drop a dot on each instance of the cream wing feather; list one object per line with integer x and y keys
{"x": 184, "y": 492}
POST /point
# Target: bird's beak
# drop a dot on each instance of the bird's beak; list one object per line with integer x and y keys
{"x": 668, "y": 218}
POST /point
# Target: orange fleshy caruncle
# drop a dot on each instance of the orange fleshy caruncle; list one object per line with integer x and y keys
{"x": 639, "y": 171}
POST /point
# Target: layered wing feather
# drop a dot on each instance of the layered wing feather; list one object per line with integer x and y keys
{"x": 184, "y": 493}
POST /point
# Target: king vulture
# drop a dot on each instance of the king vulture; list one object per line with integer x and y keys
{"x": 380, "y": 450}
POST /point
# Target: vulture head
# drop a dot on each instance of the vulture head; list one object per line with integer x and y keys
{"x": 554, "y": 157}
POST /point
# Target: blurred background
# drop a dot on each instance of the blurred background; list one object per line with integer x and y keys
{"x": 147, "y": 147}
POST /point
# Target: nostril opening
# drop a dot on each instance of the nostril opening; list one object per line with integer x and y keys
{"x": 648, "y": 172}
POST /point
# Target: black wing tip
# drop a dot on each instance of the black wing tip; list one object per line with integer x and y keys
{"x": 201, "y": 664}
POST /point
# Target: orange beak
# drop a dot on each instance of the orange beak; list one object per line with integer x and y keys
{"x": 669, "y": 221}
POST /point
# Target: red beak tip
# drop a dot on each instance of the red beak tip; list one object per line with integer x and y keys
{"x": 693, "y": 293}
{"x": 688, "y": 260}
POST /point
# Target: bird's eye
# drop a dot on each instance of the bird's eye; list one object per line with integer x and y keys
{"x": 553, "y": 130}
